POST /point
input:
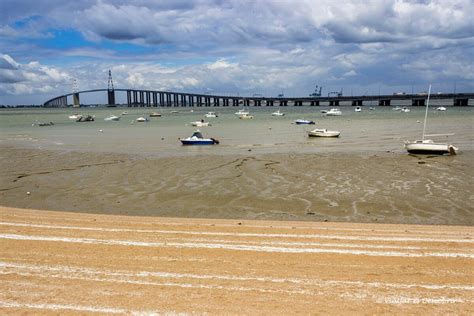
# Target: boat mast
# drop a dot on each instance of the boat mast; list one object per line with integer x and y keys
{"x": 426, "y": 113}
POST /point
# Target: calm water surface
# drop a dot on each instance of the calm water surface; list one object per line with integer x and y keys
{"x": 367, "y": 131}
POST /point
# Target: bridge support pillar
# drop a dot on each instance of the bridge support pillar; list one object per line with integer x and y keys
{"x": 356, "y": 102}
{"x": 148, "y": 102}
{"x": 461, "y": 102}
{"x": 75, "y": 100}
{"x": 334, "y": 103}
{"x": 175, "y": 100}
{"x": 135, "y": 98}
{"x": 191, "y": 100}
{"x": 384, "y": 102}
{"x": 315, "y": 103}
{"x": 129, "y": 98}
{"x": 162, "y": 98}
{"x": 418, "y": 102}
{"x": 155, "y": 99}
{"x": 110, "y": 97}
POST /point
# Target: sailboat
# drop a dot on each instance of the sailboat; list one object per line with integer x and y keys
{"x": 428, "y": 146}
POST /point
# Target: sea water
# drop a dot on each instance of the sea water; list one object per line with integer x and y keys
{"x": 378, "y": 130}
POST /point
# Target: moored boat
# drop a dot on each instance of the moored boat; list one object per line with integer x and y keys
{"x": 112, "y": 118}
{"x": 155, "y": 114}
{"x": 278, "y": 113}
{"x": 428, "y": 146}
{"x": 200, "y": 123}
{"x": 74, "y": 116}
{"x": 302, "y": 121}
{"x": 334, "y": 112}
{"x": 142, "y": 119}
{"x": 197, "y": 139}
{"x": 43, "y": 124}
{"x": 245, "y": 116}
{"x": 211, "y": 115}
{"x": 440, "y": 108}
{"x": 322, "y": 132}
{"x": 86, "y": 118}
{"x": 358, "y": 109}
{"x": 405, "y": 109}
{"x": 241, "y": 112}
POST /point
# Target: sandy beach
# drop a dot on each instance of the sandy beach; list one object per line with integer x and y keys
{"x": 375, "y": 188}
{"x": 56, "y": 262}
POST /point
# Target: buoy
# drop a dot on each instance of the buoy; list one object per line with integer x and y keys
{"x": 101, "y": 131}
{"x": 28, "y": 193}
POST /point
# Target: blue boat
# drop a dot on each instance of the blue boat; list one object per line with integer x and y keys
{"x": 198, "y": 139}
{"x": 299, "y": 122}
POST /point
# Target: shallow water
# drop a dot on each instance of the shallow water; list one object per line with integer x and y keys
{"x": 369, "y": 131}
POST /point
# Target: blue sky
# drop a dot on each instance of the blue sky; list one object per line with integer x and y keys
{"x": 235, "y": 47}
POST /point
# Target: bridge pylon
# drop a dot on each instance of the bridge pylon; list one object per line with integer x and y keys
{"x": 75, "y": 95}
{"x": 110, "y": 91}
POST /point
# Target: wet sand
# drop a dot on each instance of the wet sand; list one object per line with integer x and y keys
{"x": 57, "y": 262}
{"x": 373, "y": 188}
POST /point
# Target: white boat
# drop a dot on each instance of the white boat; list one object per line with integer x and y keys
{"x": 397, "y": 108}
{"x": 198, "y": 139}
{"x": 141, "y": 119}
{"x": 211, "y": 115}
{"x": 246, "y": 116}
{"x": 86, "y": 118}
{"x": 112, "y": 118}
{"x": 322, "y": 132}
{"x": 358, "y": 109}
{"x": 155, "y": 114}
{"x": 124, "y": 113}
{"x": 200, "y": 123}
{"x": 372, "y": 108}
{"x": 334, "y": 112}
{"x": 241, "y": 112}
{"x": 278, "y": 113}
{"x": 74, "y": 116}
{"x": 302, "y": 121}
{"x": 441, "y": 108}
{"x": 428, "y": 146}
{"x": 405, "y": 109}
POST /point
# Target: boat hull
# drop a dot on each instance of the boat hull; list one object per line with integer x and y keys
{"x": 198, "y": 142}
{"x": 304, "y": 122}
{"x": 200, "y": 124}
{"x": 324, "y": 134}
{"x": 430, "y": 149}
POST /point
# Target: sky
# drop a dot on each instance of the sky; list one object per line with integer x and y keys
{"x": 235, "y": 47}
